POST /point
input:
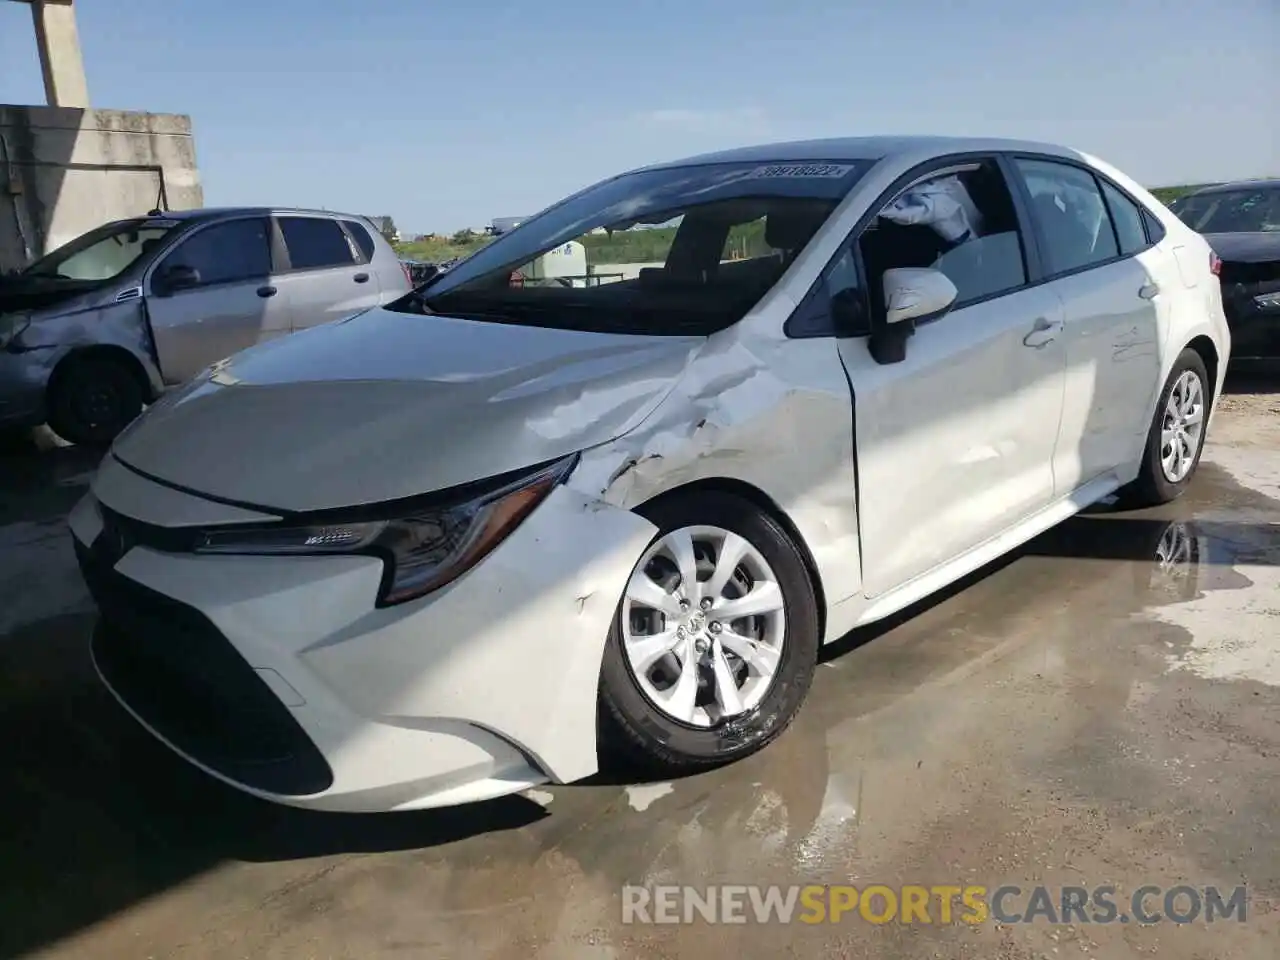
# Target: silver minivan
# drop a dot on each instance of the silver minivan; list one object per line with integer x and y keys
{"x": 100, "y": 327}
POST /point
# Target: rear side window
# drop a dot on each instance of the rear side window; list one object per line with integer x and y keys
{"x": 225, "y": 252}
{"x": 363, "y": 240}
{"x": 1127, "y": 218}
{"x": 1069, "y": 211}
{"x": 314, "y": 242}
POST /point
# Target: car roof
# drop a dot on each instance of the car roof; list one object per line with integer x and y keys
{"x": 864, "y": 148}
{"x": 219, "y": 213}
{"x": 1266, "y": 183}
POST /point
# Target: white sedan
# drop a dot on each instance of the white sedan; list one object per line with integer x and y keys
{"x": 441, "y": 550}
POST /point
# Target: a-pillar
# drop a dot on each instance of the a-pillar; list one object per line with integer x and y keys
{"x": 60, "y": 59}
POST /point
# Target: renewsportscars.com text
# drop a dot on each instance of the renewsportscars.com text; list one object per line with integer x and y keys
{"x": 938, "y": 904}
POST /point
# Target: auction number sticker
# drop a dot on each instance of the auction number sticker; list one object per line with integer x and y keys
{"x": 821, "y": 171}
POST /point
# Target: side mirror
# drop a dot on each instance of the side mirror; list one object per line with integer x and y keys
{"x": 912, "y": 295}
{"x": 177, "y": 277}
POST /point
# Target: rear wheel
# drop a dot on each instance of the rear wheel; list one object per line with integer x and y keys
{"x": 715, "y": 640}
{"x": 92, "y": 399}
{"x": 1176, "y": 438}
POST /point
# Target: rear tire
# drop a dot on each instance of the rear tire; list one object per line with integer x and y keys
{"x": 733, "y": 710}
{"x": 1175, "y": 440}
{"x": 92, "y": 399}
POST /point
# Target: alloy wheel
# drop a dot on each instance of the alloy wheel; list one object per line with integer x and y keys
{"x": 703, "y": 625}
{"x": 1183, "y": 428}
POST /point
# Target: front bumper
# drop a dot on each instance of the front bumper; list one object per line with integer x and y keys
{"x": 279, "y": 675}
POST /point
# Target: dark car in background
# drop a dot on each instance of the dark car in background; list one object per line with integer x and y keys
{"x": 1241, "y": 221}
{"x": 420, "y": 272}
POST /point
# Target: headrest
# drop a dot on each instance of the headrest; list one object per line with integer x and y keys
{"x": 792, "y": 229}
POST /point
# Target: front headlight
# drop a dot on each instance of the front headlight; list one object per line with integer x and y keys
{"x": 12, "y": 324}
{"x": 424, "y": 548}
{"x": 1268, "y": 301}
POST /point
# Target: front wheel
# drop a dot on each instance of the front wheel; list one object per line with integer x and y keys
{"x": 1176, "y": 438}
{"x": 92, "y": 399}
{"x": 715, "y": 641}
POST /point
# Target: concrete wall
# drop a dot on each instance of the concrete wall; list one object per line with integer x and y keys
{"x": 66, "y": 170}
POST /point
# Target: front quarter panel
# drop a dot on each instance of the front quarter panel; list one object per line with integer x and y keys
{"x": 754, "y": 408}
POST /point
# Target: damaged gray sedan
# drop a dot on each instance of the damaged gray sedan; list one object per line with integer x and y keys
{"x": 103, "y": 325}
{"x": 438, "y": 551}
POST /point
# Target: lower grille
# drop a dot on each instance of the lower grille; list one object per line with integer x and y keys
{"x": 177, "y": 671}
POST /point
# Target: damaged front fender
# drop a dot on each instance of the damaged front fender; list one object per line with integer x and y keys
{"x": 773, "y": 413}
{"x": 38, "y": 347}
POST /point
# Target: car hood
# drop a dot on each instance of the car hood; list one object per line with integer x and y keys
{"x": 21, "y": 293}
{"x": 386, "y": 405}
{"x": 1246, "y": 247}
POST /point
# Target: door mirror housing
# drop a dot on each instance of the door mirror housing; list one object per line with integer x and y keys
{"x": 177, "y": 277}
{"x": 912, "y": 295}
{"x": 917, "y": 294}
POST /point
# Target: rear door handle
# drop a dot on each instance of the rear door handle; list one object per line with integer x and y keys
{"x": 361, "y": 278}
{"x": 1043, "y": 332}
{"x": 1148, "y": 291}
{"x": 267, "y": 291}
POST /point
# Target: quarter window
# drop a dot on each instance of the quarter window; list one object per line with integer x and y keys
{"x": 961, "y": 222}
{"x": 315, "y": 242}
{"x": 1127, "y": 219}
{"x": 1070, "y": 213}
{"x": 226, "y": 252}
{"x": 363, "y": 240}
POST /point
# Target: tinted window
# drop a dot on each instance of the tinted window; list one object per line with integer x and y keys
{"x": 1254, "y": 210}
{"x": 1155, "y": 229}
{"x": 1068, "y": 208}
{"x": 315, "y": 242}
{"x": 225, "y": 252}
{"x": 363, "y": 240}
{"x": 1127, "y": 219}
{"x": 961, "y": 222}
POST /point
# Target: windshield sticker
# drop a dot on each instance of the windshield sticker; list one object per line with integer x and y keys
{"x": 808, "y": 171}
{"x": 161, "y": 223}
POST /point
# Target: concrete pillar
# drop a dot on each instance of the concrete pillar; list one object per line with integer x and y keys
{"x": 59, "y": 44}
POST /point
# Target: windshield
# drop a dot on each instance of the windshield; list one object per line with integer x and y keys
{"x": 1232, "y": 211}
{"x": 666, "y": 251}
{"x": 103, "y": 254}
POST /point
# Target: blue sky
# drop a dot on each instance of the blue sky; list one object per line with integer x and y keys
{"x": 447, "y": 114}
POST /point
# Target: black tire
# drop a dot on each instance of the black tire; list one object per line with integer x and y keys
{"x": 92, "y": 399}
{"x": 633, "y": 729}
{"x": 1152, "y": 487}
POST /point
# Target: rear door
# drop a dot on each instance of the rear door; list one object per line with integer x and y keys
{"x": 1114, "y": 286}
{"x": 328, "y": 275}
{"x": 233, "y": 304}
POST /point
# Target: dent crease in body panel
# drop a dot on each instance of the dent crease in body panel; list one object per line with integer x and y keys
{"x": 29, "y": 364}
{"x": 732, "y": 418}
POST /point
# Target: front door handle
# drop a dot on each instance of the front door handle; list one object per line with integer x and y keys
{"x": 361, "y": 278}
{"x": 1043, "y": 332}
{"x": 1148, "y": 291}
{"x": 267, "y": 291}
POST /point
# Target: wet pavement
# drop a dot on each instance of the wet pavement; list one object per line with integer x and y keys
{"x": 1103, "y": 708}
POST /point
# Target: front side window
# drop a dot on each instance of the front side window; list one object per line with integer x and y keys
{"x": 1255, "y": 210}
{"x": 961, "y": 221}
{"x": 663, "y": 251}
{"x": 1068, "y": 208}
{"x": 314, "y": 242}
{"x": 103, "y": 254}
{"x": 226, "y": 252}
